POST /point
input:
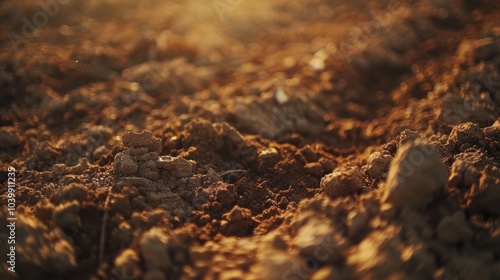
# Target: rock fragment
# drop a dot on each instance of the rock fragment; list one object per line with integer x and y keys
{"x": 416, "y": 174}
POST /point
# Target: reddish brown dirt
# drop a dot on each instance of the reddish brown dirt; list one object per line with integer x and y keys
{"x": 243, "y": 140}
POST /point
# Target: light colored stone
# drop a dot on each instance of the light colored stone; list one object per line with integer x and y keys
{"x": 416, "y": 174}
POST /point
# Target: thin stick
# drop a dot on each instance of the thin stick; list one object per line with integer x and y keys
{"x": 103, "y": 227}
{"x": 231, "y": 171}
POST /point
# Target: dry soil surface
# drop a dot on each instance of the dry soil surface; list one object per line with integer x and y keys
{"x": 238, "y": 139}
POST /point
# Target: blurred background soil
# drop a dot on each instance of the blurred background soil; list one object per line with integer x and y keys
{"x": 236, "y": 139}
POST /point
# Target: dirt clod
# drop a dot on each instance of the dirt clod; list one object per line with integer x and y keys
{"x": 415, "y": 176}
{"x": 343, "y": 181}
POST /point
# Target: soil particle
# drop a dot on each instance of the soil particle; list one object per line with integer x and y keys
{"x": 343, "y": 181}
{"x": 415, "y": 176}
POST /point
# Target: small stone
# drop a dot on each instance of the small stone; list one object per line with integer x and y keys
{"x": 269, "y": 154}
{"x": 343, "y": 181}
{"x": 416, "y": 174}
{"x": 281, "y": 96}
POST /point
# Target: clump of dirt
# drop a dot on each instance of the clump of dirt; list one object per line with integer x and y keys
{"x": 276, "y": 140}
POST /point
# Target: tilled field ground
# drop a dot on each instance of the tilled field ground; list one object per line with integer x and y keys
{"x": 250, "y": 139}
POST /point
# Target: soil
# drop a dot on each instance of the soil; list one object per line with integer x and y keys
{"x": 251, "y": 139}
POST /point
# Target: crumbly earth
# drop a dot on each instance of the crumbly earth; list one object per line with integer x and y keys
{"x": 251, "y": 139}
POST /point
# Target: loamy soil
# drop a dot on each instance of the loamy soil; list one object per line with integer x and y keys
{"x": 250, "y": 139}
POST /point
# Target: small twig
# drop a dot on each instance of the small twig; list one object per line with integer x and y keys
{"x": 231, "y": 171}
{"x": 103, "y": 227}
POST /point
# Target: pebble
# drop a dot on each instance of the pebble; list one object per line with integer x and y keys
{"x": 416, "y": 174}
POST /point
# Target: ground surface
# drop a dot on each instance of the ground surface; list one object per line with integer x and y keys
{"x": 239, "y": 139}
